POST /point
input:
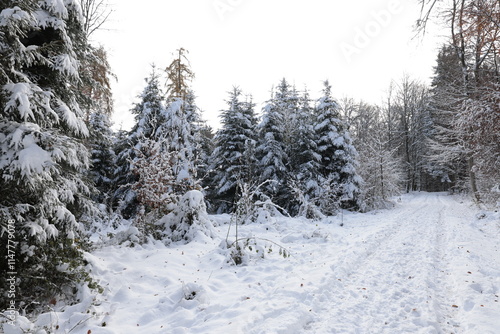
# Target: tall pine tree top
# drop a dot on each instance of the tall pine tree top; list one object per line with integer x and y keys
{"x": 149, "y": 112}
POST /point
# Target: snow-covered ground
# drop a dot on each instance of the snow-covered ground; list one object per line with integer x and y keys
{"x": 429, "y": 265}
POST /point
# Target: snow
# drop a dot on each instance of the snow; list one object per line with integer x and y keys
{"x": 32, "y": 158}
{"x": 75, "y": 123}
{"x": 15, "y": 13}
{"x": 188, "y": 220}
{"x": 431, "y": 264}
{"x": 58, "y": 7}
{"x": 20, "y": 99}
{"x": 66, "y": 64}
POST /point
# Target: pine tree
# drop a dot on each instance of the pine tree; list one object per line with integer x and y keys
{"x": 182, "y": 124}
{"x": 179, "y": 75}
{"x": 149, "y": 116}
{"x": 206, "y": 149}
{"x": 197, "y": 125}
{"x": 43, "y": 157}
{"x": 97, "y": 105}
{"x": 230, "y": 164}
{"x": 338, "y": 157}
{"x": 102, "y": 157}
{"x": 178, "y": 134}
{"x": 149, "y": 112}
{"x": 271, "y": 150}
{"x": 287, "y": 101}
{"x": 304, "y": 156}
{"x": 249, "y": 155}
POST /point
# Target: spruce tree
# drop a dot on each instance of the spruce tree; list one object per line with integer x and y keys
{"x": 287, "y": 101}
{"x": 206, "y": 149}
{"x": 304, "y": 156}
{"x": 43, "y": 194}
{"x": 102, "y": 157}
{"x": 338, "y": 157}
{"x": 149, "y": 116}
{"x": 271, "y": 150}
{"x": 182, "y": 124}
{"x": 230, "y": 164}
{"x": 178, "y": 134}
{"x": 198, "y": 129}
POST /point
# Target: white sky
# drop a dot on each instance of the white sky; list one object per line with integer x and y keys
{"x": 358, "y": 45}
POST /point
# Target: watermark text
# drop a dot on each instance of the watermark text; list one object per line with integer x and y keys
{"x": 11, "y": 275}
{"x": 364, "y": 35}
{"x": 222, "y": 7}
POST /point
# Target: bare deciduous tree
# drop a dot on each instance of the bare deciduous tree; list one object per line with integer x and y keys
{"x": 475, "y": 38}
{"x": 95, "y": 14}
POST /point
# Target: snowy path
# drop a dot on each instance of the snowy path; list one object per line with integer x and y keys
{"x": 412, "y": 274}
{"x": 397, "y": 284}
{"x": 427, "y": 266}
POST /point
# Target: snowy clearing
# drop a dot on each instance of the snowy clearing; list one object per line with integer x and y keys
{"x": 430, "y": 265}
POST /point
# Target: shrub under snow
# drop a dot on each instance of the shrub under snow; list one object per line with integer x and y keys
{"x": 188, "y": 219}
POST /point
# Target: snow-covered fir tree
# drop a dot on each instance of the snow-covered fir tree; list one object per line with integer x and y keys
{"x": 304, "y": 156}
{"x": 271, "y": 151}
{"x": 149, "y": 112}
{"x": 178, "y": 133}
{"x": 206, "y": 148}
{"x": 340, "y": 184}
{"x": 198, "y": 135}
{"x": 249, "y": 155}
{"x": 102, "y": 157}
{"x": 149, "y": 115}
{"x": 231, "y": 164}
{"x": 43, "y": 157}
{"x": 182, "y": 124}
{"x": 286, "y": 100}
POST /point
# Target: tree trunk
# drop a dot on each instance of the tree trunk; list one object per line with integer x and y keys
{"x": 472, "y": 177}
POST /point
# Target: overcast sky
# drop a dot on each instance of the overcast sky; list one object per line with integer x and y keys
{"x": 358, "y": 45}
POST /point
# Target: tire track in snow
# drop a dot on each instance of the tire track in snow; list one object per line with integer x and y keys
{"x": 338, "y": 288}
{"x": 389, "y": 290}
{"x": 466, "y": 295}
{"x": 441, "y": 287}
